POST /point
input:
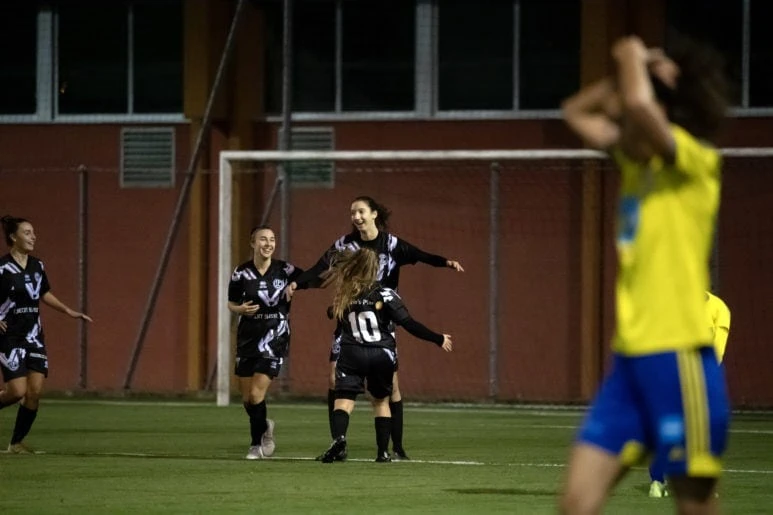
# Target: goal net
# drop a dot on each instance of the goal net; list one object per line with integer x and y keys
{"x": 533, "y": 313}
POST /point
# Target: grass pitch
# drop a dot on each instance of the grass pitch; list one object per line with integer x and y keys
{"x": 156, "y": 457}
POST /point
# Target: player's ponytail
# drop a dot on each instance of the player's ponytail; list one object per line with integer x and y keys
{"x": 10, "y": 226}
{"x": 382, "y": 220}
{"x": 351, "y": 273}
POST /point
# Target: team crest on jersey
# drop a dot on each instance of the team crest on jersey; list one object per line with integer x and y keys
{"x": 13, "y": 361}
{"x": 279, "y": 284}
{"x": 33, "y": 289}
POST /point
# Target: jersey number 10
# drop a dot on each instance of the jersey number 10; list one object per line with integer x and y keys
{"x": 365, "y": 326}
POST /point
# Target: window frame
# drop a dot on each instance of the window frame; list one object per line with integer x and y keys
{"x": 48, "y": 77}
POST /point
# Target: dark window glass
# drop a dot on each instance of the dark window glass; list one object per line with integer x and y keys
{"x": 549, "y": 60}
{"x": 378, "y": 56}
{"x": 93, "y": 65}
{"x": 158, "y": 50}
{"x": 314, "y": 56}
{"x": 18, "y": 57}
{"x": 761, "y": 54}
{"x": 718, "y": 23}
{"x": 475, "y": 54}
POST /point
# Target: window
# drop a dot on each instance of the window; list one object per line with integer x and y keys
{"x": 93, "y": 78}
{"x": 158, "y": 50}
{"x": 549, "y": 64}
{"x": 121, "y": 58}
{"x": 378, "y": 58}
{"x": 342, "y": 60}
{"x": 314, "y": 51}
{"x": 18, "y": 57}
{"x": 761, "y": 54}
{"x": 475, "y": 55}
{"x": 720, "y": 24}
{"x": 425, "y": 56}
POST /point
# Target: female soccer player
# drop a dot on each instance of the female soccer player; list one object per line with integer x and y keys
{"x": 23, "y": 356}
{"x": 263, "y": 334}
{"x": 718, "y": 319}
{"x": 367, "y": 313}
{"x": 666, "y": 391}
{"x": 370, "y": 230}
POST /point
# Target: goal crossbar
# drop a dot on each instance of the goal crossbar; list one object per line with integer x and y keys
{"x": 227, "y": 157}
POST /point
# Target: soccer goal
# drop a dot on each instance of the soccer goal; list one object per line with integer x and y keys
{"x": 530, "y": 226}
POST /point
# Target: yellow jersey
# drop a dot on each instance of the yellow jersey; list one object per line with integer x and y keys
{"x": 719, "y": 322}
{"x": 666, "y": 218}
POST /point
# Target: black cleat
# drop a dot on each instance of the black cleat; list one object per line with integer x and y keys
{"x": 336, "y": 451}
{"x": 399, "y": 455}
{"x": 383, "y": 458}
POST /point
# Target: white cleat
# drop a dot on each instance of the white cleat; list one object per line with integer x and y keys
{"x": 267, "y": 440}
{"x": 255, "y": 453}
{"x": 658, "y": 490}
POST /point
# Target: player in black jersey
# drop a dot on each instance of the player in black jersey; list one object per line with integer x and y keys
{"x": 23, "y": 356}
{"x": 263, "y": 334}
{"x": 367, "y": 313}
{"x": 370, "y": 230}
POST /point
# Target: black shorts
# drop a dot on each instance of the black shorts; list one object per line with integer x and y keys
{"x": 335, "y": 351}
{"x": 360, "y": 365}
{"x": 248, "y": 367}
{"x": 17, "y": 359}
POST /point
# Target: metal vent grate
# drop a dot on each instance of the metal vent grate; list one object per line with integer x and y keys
{"x": 311, "y": 174}
{"x": 147, "y": 157}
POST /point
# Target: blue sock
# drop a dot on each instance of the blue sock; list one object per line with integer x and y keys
{"x": 656, "y": 471}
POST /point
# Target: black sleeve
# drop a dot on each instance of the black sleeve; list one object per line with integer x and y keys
{"x": 394, "y": 307}
{"x": 235, "y": 290}
{"x": 5, "y": 287}
{"x": 310, "y": 278}
{"x": 419, "y": 330}
{"x": 408, "y": 254}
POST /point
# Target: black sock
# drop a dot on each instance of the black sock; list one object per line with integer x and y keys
{"x": 340, "y": 423}
{"x": 383, "y": 427}
{"x": 258, "y": 423}
{"x": 397, "y": 425}
{"x": 6, "y": 404}
{"x": 24, "y": 419}
{"x": 331, "y": 401}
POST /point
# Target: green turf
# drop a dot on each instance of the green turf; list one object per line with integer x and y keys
{"x": 131, "y": 457}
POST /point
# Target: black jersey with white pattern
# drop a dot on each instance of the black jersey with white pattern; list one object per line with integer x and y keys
{"x": 21, "y": 289}
{"x": 267, "y": 333}
{"x": 392, "y": 251}
{"x": 370, "y": 320}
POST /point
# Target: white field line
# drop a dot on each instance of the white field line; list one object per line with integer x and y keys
{"x": 364, "y": 460}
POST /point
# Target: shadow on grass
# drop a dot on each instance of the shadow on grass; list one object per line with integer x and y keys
{"x": 504, "y": 491}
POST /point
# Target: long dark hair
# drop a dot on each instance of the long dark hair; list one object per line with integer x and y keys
{"x": 10, "y": 226}
{"x": 700, "y": 100}
{"x": 382, "y": 220}
{"x": 352, "y": 273}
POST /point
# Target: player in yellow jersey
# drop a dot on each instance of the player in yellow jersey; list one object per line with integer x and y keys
{"x": 718, "y": 318}
{"x": 666, "y": 391}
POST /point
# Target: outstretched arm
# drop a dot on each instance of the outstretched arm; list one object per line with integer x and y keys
{"x": 58, "y": 305}
{"x": 411, "y": 254}
{"x": 308, "y": 279}
{"x": 419, "y": 330}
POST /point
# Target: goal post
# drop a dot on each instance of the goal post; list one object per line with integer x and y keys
{"x": 364, "y": 159}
